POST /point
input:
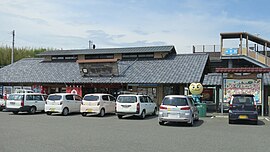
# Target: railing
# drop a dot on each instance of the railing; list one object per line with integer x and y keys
{"x": 250, "y": 53}
{"x": 205, "y": 48}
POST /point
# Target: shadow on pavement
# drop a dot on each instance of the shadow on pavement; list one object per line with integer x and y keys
{"x": 260, "y": 123}
{"x": 182, "y": 124}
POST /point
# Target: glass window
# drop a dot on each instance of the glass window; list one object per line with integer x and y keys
{"x": 69, "y": 97}
{"x": 54, "y": 97}
{"x": 112, "y": 98}
{"x": 149, "y": 100}
{"x": 91, "y": 98}
{"x": 243, "y": 100}
{"x": 175, "y": 101}
{"x": 29, "y": 97}
{"x": 78, "y": 98}
{"x": 15, "y": 97}
{"x": 127, "y": 99}
{"x": 37, "y": 97}
{"x": 105, "y": 98}
{"x": 143, "y": 99}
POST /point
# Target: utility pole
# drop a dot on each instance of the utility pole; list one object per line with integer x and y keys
{"x": 12, "y": 52}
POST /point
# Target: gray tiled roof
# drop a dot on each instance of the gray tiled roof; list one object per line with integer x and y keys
{"x": 213, "y": 79}
{"x": 110, "y": 50}
{"x": 185, "y": 68}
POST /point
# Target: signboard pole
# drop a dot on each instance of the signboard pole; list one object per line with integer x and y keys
{"x": 262, "y": 95}
{"x": 222, "y": 98}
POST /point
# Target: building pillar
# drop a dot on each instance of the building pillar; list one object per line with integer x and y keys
{"x": 241, "y": 44}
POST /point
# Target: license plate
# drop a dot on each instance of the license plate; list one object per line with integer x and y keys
{"x": 89, "y": 110}
{"x": 173, "y": 115}
{"x": 12, "y": 103}
{"x": 52, "y": 109}
{"x": 169, "y": 109}
{"x": 243, "y": 117}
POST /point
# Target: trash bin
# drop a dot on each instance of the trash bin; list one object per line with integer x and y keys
{"x": 202, "y": 109}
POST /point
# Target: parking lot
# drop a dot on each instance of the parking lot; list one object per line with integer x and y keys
{"x": 74, "y": 133}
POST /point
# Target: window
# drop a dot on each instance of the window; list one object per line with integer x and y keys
{"x": 37, "y": 97}
{"x": 149, "y": 100}
{"x": 91, "y": 98}
{"x": 175, "y": 101}
{"x": 140, "y": 55}
{"x": 127, "y": 99}
{"x": 15, "y": 97}
{"x": 143, "y": 99}
{"x": 99, "y": 56}
{"x": 69, "y": 97}
{"x": 78, "y": 98}
{"x": 105, "y": 98}
{"x": 54, "y": 97}
{"x": 29, "y": 97}
{"x": 112, "y": 98}
{"x": 67, "y": 57}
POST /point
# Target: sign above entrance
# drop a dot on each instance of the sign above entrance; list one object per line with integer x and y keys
{"x": 98, "y": 69}
{"x": 230, "y": 51}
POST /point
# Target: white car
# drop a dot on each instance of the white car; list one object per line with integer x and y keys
{"x": 25, "y": 102}
{"x": 178, "y": 108}
{"x": 137, "y": 105}
{"x": 63, "y": 103}
{"x": 98, "y": 104}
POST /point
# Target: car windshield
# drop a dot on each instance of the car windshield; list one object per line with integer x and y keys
{"x": 127, "y": 99}
{"x": 91, "y": 98}
{"x": 54, "y": 97}
{"x": 15, "y": 97}
{"x": 175, "y": 101}
{"x": 243, "y": 100}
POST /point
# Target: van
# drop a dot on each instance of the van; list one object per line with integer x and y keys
{"x": 63, "y": 103}
{"x": 243, "y": 108}
{"x": 25, "y": 102}
{"x": 98, "y": 104}
{"x": 137, "y": 105}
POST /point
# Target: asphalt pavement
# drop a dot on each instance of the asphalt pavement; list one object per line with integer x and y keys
{"x": 74, "y": 133}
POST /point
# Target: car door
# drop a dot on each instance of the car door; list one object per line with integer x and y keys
{"x": 144, "y": 104}
{"x": 77, "y": 103}
{"x": 70, "y": 103}
{"x": 29, "y": 100}
{"x": 112, "y": 104}
{"x": 106, "y": 103}
{"x": 151, "y": 105}
{"x": 39, "y": 102}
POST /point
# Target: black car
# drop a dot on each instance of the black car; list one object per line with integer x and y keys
{"x": 243, "y": 107}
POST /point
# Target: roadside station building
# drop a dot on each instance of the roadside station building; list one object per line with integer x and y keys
{"x": 156, "y": 71}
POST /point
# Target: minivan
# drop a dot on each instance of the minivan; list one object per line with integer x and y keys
{"x": 98, "y": 104}
{"x": 25, "y": 102}
{"x": 243, "y": 107}
{"x": 63, "y": 103}
{"x": 178, "y": 108}
{"x": 137, "y": 105}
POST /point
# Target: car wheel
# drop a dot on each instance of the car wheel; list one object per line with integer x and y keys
{"x": 191, "y": 123}
{"x": 120, "y": 116}
{"x": 142, "y": 115}
{"x": 161, "y": 122}
{"x": 15, "y": 112}
{"x": 32, "y": 110}
{"x": 49, "y": 113}
{"x": 155, "y": 112}
{"x": 84, "y": 114}
{"x": 65, "y": 112}
{"x": 197, "y": 117}
{"x": 102, "y": 113}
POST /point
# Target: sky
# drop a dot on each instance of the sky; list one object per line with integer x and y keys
{"x": 71, "y": 24}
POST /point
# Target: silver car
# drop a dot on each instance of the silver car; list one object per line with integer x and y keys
{"x": 178, "y": 108}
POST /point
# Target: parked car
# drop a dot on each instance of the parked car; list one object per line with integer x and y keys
{"x": 99, "y": 104}
{"x": 137, "y": 105}
{"x": 178, "y": 108}
{"x": 63, "y": 103}
{"x": 25, "y": 102}
{"x": 243, "y": 107}
{"x": 2, "y": 103}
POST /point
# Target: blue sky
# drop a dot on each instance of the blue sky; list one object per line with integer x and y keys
{"x": 70, "y": 24}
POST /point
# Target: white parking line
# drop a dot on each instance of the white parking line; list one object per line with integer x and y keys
{"x": 267, "y": 119}
{"x": 212, "y": 117}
